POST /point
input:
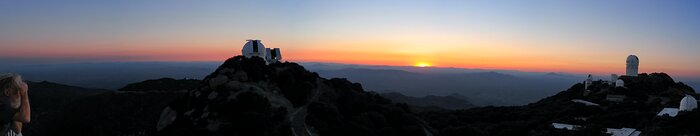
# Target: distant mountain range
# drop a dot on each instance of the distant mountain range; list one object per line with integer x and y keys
{"x": 163, "y": 84}
{"x": 109, "y": 75}
{"x": 482, "y": 86}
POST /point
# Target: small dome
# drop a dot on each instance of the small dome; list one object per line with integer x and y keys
{"x": 688, "y": 103}
{"x": 632, "y": 59}
{"x": 619, "y": 83}
{"x": 254, "y": 48}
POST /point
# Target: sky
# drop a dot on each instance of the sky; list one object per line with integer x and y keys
{"x": 588, "y": 36}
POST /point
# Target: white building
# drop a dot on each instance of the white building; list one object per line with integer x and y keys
{"x": 623, "y": 132}
{"x": 619, "y": 83}
{"x": 587, "y": 103}
{"x": 632, "y": 65}
{"x": 671, "y": 112}
{"x": 273, "y": 55}
{"x": 613, "y": 78}
{"x": 255, "y": 48}
{"x": 566, "y": 126}
{"x": 688, "y": 103}
{"x": 588, "y": 82}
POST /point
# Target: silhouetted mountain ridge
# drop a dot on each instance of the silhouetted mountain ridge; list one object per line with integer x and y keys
{"x": 244, "y": 96}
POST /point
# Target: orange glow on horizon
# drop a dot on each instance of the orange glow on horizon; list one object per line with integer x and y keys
{"x": 496, "y": 56}
{"x": 423, "y": 64}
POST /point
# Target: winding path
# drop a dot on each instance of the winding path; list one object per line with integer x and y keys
{"x": 298, "y": 117}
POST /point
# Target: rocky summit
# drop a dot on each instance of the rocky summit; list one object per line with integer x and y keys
{"x": 246, "y": 96}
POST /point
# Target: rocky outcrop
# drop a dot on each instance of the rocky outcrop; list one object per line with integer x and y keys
{"x": 245, "y": 96}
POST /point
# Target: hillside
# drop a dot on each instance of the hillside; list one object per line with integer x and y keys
{"x": 646, "y": 96}
{"x": 112, "y": 113}
{"x": 61, "y": 109}
{"x": 50, "y": 99}
{"x": 247, "y": 97}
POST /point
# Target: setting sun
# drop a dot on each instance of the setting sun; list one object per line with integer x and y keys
{"x": 423, "y": 64}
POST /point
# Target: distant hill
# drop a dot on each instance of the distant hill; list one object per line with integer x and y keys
{"x": 482, "y": 88}
{"x": 446, "y": 102}
{"x": 316, "y": 66}
{"x": 694, "y": 84}
{"x": 163, "y": 84}
{"x": 49, "y": 99}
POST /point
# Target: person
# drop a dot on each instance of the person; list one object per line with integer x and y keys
{"x": 14, "y": 104}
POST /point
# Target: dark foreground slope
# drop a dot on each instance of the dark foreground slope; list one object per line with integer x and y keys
{"x": 247, "y": 97}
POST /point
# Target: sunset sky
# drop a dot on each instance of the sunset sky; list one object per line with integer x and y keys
{"x": 586, "y": 36}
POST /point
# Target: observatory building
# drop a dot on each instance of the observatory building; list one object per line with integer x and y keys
{"x": 255, "y": 48}
{"x": 632, "y": 70}
{"x": 589, "y": 81}
{"x": 620, "y": 83}
{"x": 632, "y": 65}
{"x": 688, "y": 103}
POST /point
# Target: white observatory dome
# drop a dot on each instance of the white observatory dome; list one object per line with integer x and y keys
{"x": 254, "y": 48}
{"x": 632, "y": 65}
{"x": 688, "y": 103}
{"x": 619, "y": 83}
